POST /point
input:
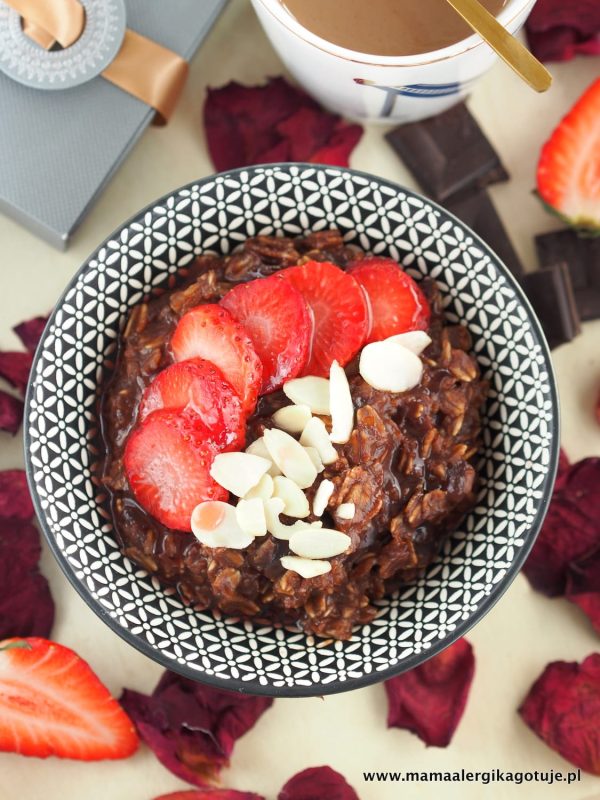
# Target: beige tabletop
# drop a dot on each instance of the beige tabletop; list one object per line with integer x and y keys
{"x": 512, "y": 644}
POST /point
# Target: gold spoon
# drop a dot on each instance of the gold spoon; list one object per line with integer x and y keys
{"x": 508, "y": 48}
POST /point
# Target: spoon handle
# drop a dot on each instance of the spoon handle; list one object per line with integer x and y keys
{"x": 508, "y": 48}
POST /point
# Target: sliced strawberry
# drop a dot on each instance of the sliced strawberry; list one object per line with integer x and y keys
{"x": 279, "y": 324}
{"x": 396, "y": 302}
{"x": 339, "y": 311}
{"x": 167, "y": 461}
{"x": 568, "y": 173}
{"x": 212, "y": 333}
{"x": 52, "y": 704}
{"x": 197, "y": 385}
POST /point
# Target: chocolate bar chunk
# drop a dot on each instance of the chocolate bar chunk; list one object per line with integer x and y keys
{"x": 582, "y": 256}
{"x": 551, "y": 294}
{"x": 478, "y": 212}
{"x": 448, "y": 153}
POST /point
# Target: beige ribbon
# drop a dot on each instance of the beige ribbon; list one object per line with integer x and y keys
{"x": 143, "y": 68}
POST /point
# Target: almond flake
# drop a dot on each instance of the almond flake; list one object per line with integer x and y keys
{"x": 251, "y": 516}
{"x": 263, "y": 489}
{"x": 390, "y": 367}
{"x": 324, "y": 543}
{"x": 340, "y": 404}
{"x": 259, "y": 448}
{"x": 345, "y": 511}
{"x": 273, "y": 508}
{"x": 296, "y": 502}
{"x": 315, "y": 435}
{"x": 292, "y": 419}
{"x": 238, "y": 472}
{"x": 415, "y": 341}
{"x": 315, "y": 458}
{"x": 322, "y": 495}
{"x": 310, "y": 391}
{"x": 215, "y": 524}
{"x": 305, "y": 567}
{"x": 291, "y": 458}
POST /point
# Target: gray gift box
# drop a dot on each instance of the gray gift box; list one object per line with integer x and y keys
{"x": 59, "y": 149}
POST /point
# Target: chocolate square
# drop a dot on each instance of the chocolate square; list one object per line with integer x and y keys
{"x": 582, "y": 255}
{"x": 448, "y": 153}
{"x": 551, "y": 294}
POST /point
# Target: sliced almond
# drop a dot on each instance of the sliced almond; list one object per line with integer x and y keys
{"x": 324, "y": 543}
{"x": 296, "y": 502}
{"x": 263, "y": 489}
{"x": 340, "y": 404}
{"x": 315, "y": 435}
{"x": 390, "y": 367}
{"x": 292, "y": 419}
{"x": 306, "y": 567}
{"x": 273, "y": 508}
{"x": 345, "y": 511}
{"x": 259, "y": 448}
{"x": 238, "y": 472}
{"x": 291, "y": 458}
{"x": 310, "y": 391}
{"x": 415, "y": 341}
{"x": 315, "y": 458}
{"x": 251, "y": 516}
{"x": 322, "y": 495}
{"x": 215, "y": 524}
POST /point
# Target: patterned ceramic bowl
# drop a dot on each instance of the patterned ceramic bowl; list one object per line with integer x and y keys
{"x": 518, "y": 457}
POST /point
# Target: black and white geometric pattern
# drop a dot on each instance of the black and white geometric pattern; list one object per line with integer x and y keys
{"x": 218, "y": 214}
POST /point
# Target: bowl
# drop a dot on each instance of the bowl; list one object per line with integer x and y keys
{"x": 516, "y": 467}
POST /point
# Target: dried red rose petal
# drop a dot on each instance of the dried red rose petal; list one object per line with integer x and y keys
{"x": 563, "y": 709}
{"x": 15, "y": 500}
{"x": 557, "y": 31}
{"x": 317, "y": 782}
{"x": 15, "y": 367}
{"x": 11, "y": 412}
{"x": 274, "y": 122}
{"x": 430, "y": 699}
{"x": 26, "y": 606}
{"x": 583, "y": 586}
{"x": 571, "y": 528}
{"x": 192, "y": 728}
{"x": 210, "y": 794}
{"x": 30, "y": 332}
{"x": 563, "y": 469}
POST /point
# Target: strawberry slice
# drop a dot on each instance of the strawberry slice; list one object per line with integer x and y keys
{"x": 52, "y": 704}
{"x": 197, "y": 385}
{"x": 396, "y": 302}
{"x": 212, "y": 333}
{"x": 568, "y": 173}
{"x": 339, "y": 310}
{"x": 278, "y": 322}
{"x": 167, "y": 461}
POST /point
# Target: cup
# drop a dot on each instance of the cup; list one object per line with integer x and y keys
{"x": 376, "y": 88}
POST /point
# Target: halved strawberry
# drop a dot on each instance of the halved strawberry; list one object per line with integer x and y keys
{"x": 278, "y": 322}
{"x": 212, "y": 333}
{"x": 197, "y": 385}
{"x": 568, "y": 173}
{"x": 167, "y": 461}
{"x": 339, "y": 309}
{"x": 52, "y": 704}
{"x": 396, "y": 302}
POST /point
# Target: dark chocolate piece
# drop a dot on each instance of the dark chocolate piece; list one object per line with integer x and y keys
{"x": 448, "y": 153}
{"x": 551, "y": 294}
{"x": 582, "y": 255}
{"x": 478, "y": 212}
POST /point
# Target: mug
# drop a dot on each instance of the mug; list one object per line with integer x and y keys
{"x": 371, "y": 88}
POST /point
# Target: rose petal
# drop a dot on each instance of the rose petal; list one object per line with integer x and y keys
{"x": 15, "y": 500}
{"x": 430, "y": 699}
{"x": 30, "y": 332}
{"x": 318, "y": 782}
{"x": 583, "y": 586}
{"x": 11, "y": 413}
{"x": 26, "y": 606}
{"x": 15, "y": 367}
{"x": 563, "y": 709}
{"x": 274, "y": 122}
{"x": 557, "y": 31}
{"x": 571, "y": 528}
{"x": 211, "y": 794}
{"x": 192, "y": 728}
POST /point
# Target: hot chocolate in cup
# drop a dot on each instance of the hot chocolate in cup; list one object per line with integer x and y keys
{"x": 382, "y": 86}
